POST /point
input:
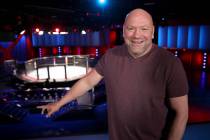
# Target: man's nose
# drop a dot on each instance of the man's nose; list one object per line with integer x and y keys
{"x": 137, "y": 33}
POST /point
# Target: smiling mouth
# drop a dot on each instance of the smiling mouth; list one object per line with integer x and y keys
{"x": 137, "y": 42}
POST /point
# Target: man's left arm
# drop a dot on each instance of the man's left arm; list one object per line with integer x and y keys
{"x": 180, "y": 107}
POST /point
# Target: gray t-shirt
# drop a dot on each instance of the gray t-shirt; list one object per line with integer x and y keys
{"x": 137, "y": 90}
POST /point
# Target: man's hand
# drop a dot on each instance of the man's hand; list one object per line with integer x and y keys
{"x": 49, "y": 108}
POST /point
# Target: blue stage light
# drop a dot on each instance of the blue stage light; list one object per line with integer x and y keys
{"x": 102, "y": 2}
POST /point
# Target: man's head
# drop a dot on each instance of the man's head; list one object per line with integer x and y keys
{"x": 138, "y": 32}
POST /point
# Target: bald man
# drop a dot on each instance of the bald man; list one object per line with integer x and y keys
{"x": 141, "y": 81}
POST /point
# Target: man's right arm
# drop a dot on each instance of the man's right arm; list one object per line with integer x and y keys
{"x": 79, "y": 89}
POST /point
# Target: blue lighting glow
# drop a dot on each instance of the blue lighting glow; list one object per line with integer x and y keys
{"x": 172, "y": 37}
{"x": 204, "y": 37}
{"x": 203, "y": 79}
{"x": 193, "y": 37}
{"x": 101, "y": 2}
{"x": 162, "y": 36}
{"x": 182, "y": 35}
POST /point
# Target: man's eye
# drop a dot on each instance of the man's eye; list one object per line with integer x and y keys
{"x": 145, "y": 29}
{"x": 130, "y": 29}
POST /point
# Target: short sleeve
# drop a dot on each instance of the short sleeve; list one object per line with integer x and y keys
{"x": 177, "y": 83}
{"x": 100, "y": 66}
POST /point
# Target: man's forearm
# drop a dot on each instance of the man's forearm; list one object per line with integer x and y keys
{"x": 79, "y": 89}
{"x": 178, "y": 127}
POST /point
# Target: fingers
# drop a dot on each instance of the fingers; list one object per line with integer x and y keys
{"x": 41, "y": 107}
{"x": 49, "y": 113}
{"x": 48, "y": 109}
{"x": 44, "y": 109}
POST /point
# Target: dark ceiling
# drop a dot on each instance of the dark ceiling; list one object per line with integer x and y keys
{"x": 29, "y": 13}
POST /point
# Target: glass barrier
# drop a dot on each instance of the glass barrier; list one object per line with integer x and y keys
{"x": 55, "y": 68}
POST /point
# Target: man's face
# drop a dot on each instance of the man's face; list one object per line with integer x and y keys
{"x": 138, "y": 32}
